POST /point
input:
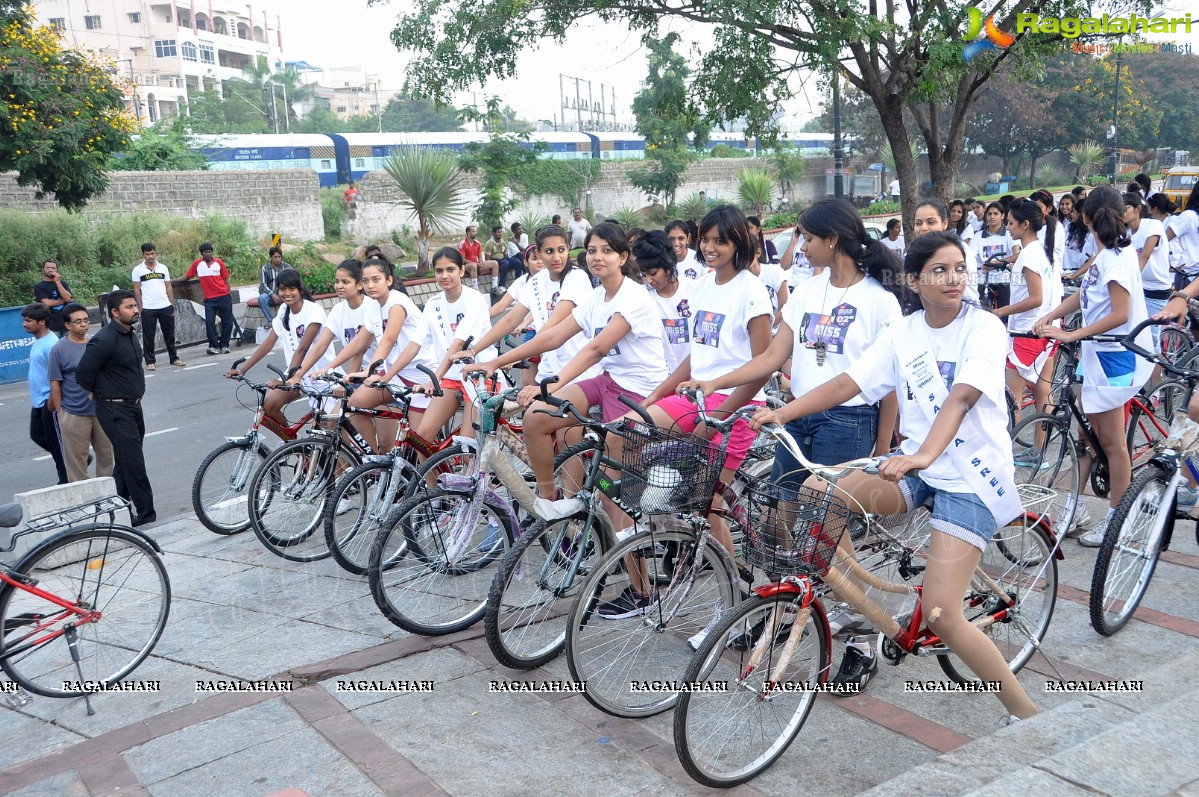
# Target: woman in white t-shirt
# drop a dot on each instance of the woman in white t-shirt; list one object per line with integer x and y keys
{"x": 893, "y": 240}
{"x": 794, "y": 261}
{"x": 932, "y": 215}
{"x": 456, "y": 315}
{"x": 994, "y": 241}
{"x": 344, "y": 321}
{"x": 1184, "y": 231}
{"x": 1149, "y": 241}
{"x": 1056, "y": 248}
{"x": 624, "y": 338}
{"x": 691, "y": 264}
{"x": 297, "y": 328}
{"x": 398, "y": 331}
{"x": 1036, "y": 289}
{"x": 964, "y": 348}
{"x": 1112, "y": 302}
{"x": 672, "y": 296}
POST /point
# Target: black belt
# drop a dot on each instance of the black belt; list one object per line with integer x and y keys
{"x": 1158, "y": 294}
{"x": 133, "y": 402}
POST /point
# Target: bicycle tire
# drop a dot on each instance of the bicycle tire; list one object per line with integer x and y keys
{"x": 219, "y": 505}
{"x": 1052, "y": 466}
{"x": 355, "y": 512}
{"x": 416, "y": 583}
{"x": 1175, "y": 344}
{"x": 287, "y": 497}
{"x": 708, "y": 724}
{"x": 112, "y": 568}
{"x": 453, "y": 459}
{"x": 611, "y": 654}
{"x": 1031, "y": 577}
{"x": 1129, "y": 552}
{"x": 1144, "y": 433}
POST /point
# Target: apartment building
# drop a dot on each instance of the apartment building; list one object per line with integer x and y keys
{"x": 168, "y": 49}
{"x": 345, "y": 90}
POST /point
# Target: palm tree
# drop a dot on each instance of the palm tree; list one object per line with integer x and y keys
{"x": 755, "y": 188}
{"x": 430, "y": 180}
{"x": 1086, "y": 157}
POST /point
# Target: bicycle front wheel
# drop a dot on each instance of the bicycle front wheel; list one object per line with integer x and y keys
{"x": 748, "y": 699}
{"x": 287, "y": 495}
{"x": 429, "y": 565}
{"x": 1018, "y": 564}
{"x": 1128, "y": 555}
{"x": 361, "y": 500}
{"x": 106, "y": 569}
{"x": 219, "y": 489}
{"x": 616, "y": 640}
{"x": 1150, "y": 418}
{"x": 1046, "y": 457}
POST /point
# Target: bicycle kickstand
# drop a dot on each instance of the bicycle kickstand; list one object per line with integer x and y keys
{"x": 73, "y": 645}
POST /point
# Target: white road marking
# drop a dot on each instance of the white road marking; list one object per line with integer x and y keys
{"x": 163, "y": 431}
{"x": 42, "y": 458}
{"x": 197, "y": 367}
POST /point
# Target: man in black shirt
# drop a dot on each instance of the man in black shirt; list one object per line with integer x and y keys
{"x": 111, "y": 369}
{"x": 54, "y": 292}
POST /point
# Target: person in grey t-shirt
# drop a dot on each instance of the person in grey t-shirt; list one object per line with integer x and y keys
{"x": 76, "y": 410}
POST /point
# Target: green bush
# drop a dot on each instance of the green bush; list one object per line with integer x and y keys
{"x": 1097, "y": 180}
{"x": 725, "y": 151}
{"x": 333, "y": 212}
{"x": 879, "y": 208}
{"x": 778, "y": 220}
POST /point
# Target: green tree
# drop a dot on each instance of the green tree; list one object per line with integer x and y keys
{"x": 1169, "y": 90}
{"x": 163, "y": 147}
{"x": 497, "y": 162}
{"x": 225, "y": 111}
{"x": 320, "y": 120}
{"x": 668, "y": 120}
{"x": 1014, "y": 119}
{"x": 62, "y": 114}
{"x": 789, "y": 169}
{"x": 404, "y": 114}
{"x": 901, "y": 56}
{"x": 755, "y": 189}
{"x": 430, "y": 180}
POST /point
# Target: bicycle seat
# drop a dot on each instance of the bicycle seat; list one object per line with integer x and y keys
{"x": 10, "y": 515}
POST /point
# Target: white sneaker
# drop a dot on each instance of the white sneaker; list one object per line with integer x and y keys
{"x": 344, "y": 505}
{"x": 1094, "y": 537}
{"x": 1082, "y": 520}
{"x": 845, "y": 620}
{"x": 548, "y": 509}
{"x": 697, "y": 639}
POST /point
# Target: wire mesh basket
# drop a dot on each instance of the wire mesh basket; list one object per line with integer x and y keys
{"x": 792, "y": 532}
{"x": 666, "y": 471}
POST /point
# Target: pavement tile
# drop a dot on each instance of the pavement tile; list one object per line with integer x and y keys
{"x": 16, "y": 724}
{"x": 66, "y": 784}
{"x": 1030, "y": 780}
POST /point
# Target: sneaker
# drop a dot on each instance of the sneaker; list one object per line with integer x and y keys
{"x": 1031, "y": 459}
{"x": 151, "y": 366}
{"x": 344, "y": 505}
{"x": 178, "y": 363}
{"x": 1010, "y": 719}
{"x": 1094, "y": 537}
{"x": 697, "y": 639}
{"x": 225, "y": 350}
{"x": 549, "y": 509}
{"x": 627, "y": 604}
{"x": 212, "y": 350}
{"x": 1082, "y": 520}
{"x": 845, "y": 620}
{"x": 856, "y": 668}
{"x": 1187, "y": 498}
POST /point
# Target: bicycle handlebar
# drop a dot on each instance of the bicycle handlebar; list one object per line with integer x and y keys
{"x": 724, "y": 426}
{"x": 1129, "y": 342}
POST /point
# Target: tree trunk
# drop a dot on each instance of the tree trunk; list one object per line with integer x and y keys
{"x": 1032, "y": 171}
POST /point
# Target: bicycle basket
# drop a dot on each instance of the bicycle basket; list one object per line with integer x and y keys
{"x": 792, "y": 532}
{"x": 666, "y": 471}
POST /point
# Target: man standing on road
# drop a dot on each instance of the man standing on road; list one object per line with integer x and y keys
{"x": 111, "y": 369}
{"x": 218, "y": 299}
{"x": 156, "y": 303}
{"x": 42, "y": 427}
{"x": 267, "y": 296}
{"x": 579, "y": 227}
{"x": 76, "y": 410}
{"x": 894, "y": 190}
{"x": 53, "y": 291}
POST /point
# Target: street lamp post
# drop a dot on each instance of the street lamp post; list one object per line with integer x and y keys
{"x": 838, "y": 148}
{"x": 1115, "y": 131}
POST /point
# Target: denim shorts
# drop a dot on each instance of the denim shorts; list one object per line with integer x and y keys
{"x": 826, "y": 438}
{"x": 960, "y": 515}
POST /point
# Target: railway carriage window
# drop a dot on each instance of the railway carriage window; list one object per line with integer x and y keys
{"x": 326, "y": 165}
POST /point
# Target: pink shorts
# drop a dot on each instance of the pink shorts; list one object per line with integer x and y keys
{"x": 686, "y": 418}
{"x": 602, "y": 390}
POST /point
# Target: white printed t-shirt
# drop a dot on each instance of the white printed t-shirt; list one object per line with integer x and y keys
{"x": 774, "y": 278}
{"x": 845, "y": 320}
{"x": 675, "y": 314}
{"x": 1111, "y": 265}
{"x": 1186, "y": 232}
{"x": 638, "y": 361}
{"x": 1156, "y": 275}
{"x": 1033, "y": 258}
{"x": 972, "y": 350}
{"x": 541, "y": 295}
{"x": 154, "y": 285}
{"x": 692, "y": 267}
{"x": 414, "y": 329}
{"x": 469, "y": 317}
{"x": 298, "y": 323}
{"x": 721, "y": 316}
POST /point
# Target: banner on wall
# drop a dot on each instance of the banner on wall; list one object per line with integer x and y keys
{"x": 15, "y": 344}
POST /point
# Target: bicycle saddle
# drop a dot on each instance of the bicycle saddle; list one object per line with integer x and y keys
{"x": 10, "y": 515}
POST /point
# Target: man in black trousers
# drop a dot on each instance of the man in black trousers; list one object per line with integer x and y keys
{"x": 111, "y": 368}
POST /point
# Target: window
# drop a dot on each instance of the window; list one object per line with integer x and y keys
{"x": 165, "y": 48}
{"x": 58, "y": 23}
{"x": 359, "y": 163}
{"x": 92, "y": 21}
{"x": 207, "y": 53}
{"x": 341, "y": 109}
{"x": 188, "y": 50}
{"x": 135, "y": 16}
{"x": 326, "y": 165}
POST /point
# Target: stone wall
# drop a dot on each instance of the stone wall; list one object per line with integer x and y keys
{"x": 286, "y": 201}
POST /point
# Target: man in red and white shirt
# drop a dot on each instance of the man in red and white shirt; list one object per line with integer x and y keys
{"x": 472, "y": 253}
{"x": 214, "y": 281}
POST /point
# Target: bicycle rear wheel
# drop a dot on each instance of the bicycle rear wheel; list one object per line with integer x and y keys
{"x": 1176, "y": 344}
{"x": 1018, "y": 563}
{"x": 361, "y": 500}
{"x": 287, "y": 496}
{"x": 109, "y": 569}
{"x": 611, "y": 650}
{"x": 429, "y": 565}
{"x": 747, "y": 706}
{"x": 219, "y": 489}
{"x": 1045, "y": 456}
{"x": 1149, "y": 421}
{"x": 1128, "y": 555}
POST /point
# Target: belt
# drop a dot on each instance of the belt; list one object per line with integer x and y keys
{"x": 133, "y": 402}
{"x": 1158, "y": 294}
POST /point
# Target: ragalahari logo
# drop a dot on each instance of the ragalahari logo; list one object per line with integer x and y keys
{"x": 994, "y": 38}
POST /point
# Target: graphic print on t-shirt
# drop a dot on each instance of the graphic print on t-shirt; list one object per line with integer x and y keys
{"x": 615, "y": 349}
{"x": 676, "y": 330}
{"x": 830, "y": 329}
{"x": 707, "y": 328}
{"x": 151, "y": 275}
{"x": 947, "y": 371}
{"x": 1090, "y": 279}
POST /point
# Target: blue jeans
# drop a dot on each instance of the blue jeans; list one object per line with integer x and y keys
{"x": 265, "y": 305}
{"x": 222, "y": 306}
{"x": 515, "y": 264}
{"x": 827, "y": 438}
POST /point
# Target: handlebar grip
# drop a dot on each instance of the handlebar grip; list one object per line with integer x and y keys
{"x": 374, "y": 367}
{"x": 291, "y": 372}
{"x": 432, "y": 378}
{"x": 1024, "y": 335}
{"x": 270, "y": 367}
{"x": 637, "y": 408}
{"x": 466, "y": 343}
{"x": 474, "y": 373}
{"x": 237, "y": 363}
{"x": 545, "y": 394}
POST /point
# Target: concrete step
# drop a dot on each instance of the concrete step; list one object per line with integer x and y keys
{"x": 1097, "y": 744}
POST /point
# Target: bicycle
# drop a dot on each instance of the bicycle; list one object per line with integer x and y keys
{"x": 754, "y": 680}
{"x": 691, "y": 579}
{"x": 99, "y": 587}
{"x": 219, "y": 488}
{"x": 1143, "y": 523}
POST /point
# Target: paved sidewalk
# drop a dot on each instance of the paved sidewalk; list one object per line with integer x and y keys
{"x": 239, "y": 614}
